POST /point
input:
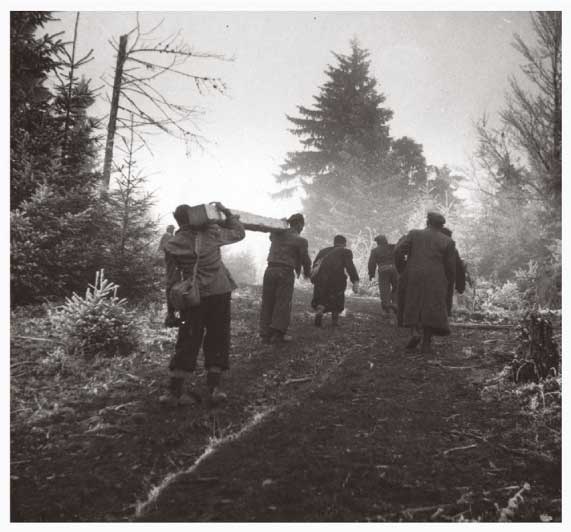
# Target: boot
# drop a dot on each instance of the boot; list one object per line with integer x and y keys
{"x": 319, "y": 316}
{"x": 426, "y": 347}
{"x": 171, "y": 397}
{"x": 280, "y": 337}
{"x": 213, "y": 378}
{"x": 413, "y": 341}
{"x": 176, "y": 396}
{"x": 335, "y": 319}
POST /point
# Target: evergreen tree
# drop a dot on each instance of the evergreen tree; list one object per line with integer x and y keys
{"x": 59, "y": 224}
{"x": 521, "y": 166}
{"x": 130, "y": 261}
{"x": 354, "y": 176}
{"x": 32, "y": 130}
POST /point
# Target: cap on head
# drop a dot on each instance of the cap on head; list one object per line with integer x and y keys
{"x": 296, "y": 218}
{"x": 381, "y": 239}
{"x": 435, "y": 219}
{"x": 339, "y": 240}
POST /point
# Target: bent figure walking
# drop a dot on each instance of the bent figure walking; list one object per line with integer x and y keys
{"x": 430, "y": 268}
{"x": 330, "y": 280}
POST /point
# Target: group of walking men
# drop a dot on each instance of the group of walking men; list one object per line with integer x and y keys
{"x": 416, "y": 281}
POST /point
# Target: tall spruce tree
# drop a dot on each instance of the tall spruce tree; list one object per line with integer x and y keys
{"x": 354, "y": 175}
{"x": 58, "y": 223}
{"x": 131, "y": 258}
{"x": 33, "y": 140}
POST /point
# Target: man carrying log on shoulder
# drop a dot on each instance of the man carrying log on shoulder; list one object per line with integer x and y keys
{"x": 288, "y": 254}
{"x": 194, "y": 252}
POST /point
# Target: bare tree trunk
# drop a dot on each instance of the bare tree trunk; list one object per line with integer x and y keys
{"x": 128, "y": 192}
{"x": 113, "y": 112}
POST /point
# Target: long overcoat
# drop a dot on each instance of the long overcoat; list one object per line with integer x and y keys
{"x": 430, "y": 267}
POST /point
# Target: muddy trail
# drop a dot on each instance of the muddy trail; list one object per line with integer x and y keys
{"x": 340, "y": 425}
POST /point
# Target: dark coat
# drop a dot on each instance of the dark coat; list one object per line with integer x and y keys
{"x": 213, "y": 277}
{"x": 290, "y": 250}
{"x": 331, "y": 281}
{"x": 381, "y": 256}
{"x": 430, "y": 267}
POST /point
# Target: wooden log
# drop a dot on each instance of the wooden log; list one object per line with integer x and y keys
{"x": 263, "y": 224}
{"x": 207, "y": 213}
{"x": 472, "y": 325}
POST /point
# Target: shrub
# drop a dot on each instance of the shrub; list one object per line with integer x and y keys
{"x": 96, "y": 324}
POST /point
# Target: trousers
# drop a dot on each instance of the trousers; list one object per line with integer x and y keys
{"x": 277, "y": 293}
{"x": 207, "y": 325}
{"x": 388, "y": 281}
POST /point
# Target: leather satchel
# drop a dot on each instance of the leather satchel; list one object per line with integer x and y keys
{"x": 185, "y": 294}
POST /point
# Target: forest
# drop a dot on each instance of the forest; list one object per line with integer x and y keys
{"x": 89, "y": 352}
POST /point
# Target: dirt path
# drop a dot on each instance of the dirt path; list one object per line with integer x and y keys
{"x": 341, "y": 425}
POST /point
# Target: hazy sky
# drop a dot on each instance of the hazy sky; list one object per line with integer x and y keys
{"x": 439, "y": 72}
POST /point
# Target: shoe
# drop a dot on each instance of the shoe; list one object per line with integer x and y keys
{"x": 281, "y": 339}
{"x": 168, "y": 399}
{"x": 217, "y": 396}
{"x": 426, "y": 349}
{"x": 186, "y": 400}
{"x": 413, "y": 342}
{"x": 171, "y": 400}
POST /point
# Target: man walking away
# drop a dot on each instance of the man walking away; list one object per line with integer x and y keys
{"x": 170, "y": 320}
{"x": 288, "y": 254}
{"x": 430, "y": 267}
{"x": 330, "y": 280}
{"x": 382, "y": 258}
{"x": 165, "y": 238}
{"x": 207, "y": 325}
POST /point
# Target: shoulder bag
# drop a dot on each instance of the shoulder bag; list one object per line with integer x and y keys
{"x": 185, "y": 294}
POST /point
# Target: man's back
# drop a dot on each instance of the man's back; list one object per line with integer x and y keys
{"x": 288, "y": 248}
{"x": 429, "y": 250}
{"x": 335, "y": 261}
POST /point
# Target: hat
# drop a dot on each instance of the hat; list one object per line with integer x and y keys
{"x": 435, "y": 218}
{"x": 296, "y": 218}
{"x": 380, "y": 238}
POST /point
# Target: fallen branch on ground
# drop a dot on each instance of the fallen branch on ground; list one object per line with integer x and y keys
{"x": 491, "y": 326}
{"x": 36, "y": 339}
{"x": 22, "y": 363}
{"x": 301, "y": 379}
{"x": 447, "y": 451}
{"x": 525, "y": 453}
